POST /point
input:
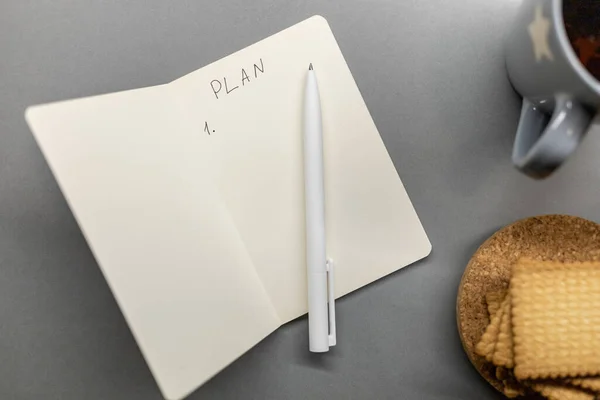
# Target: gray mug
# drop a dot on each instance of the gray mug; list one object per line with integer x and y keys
{"x": 560, "y": 96}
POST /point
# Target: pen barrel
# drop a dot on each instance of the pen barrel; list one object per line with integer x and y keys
{"x": 314, "y": 191}
{"x": 314, "y": 195}
{"x": 318, "y": 317}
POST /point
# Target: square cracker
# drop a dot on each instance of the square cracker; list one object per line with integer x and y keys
{"x": 487, "y": 343}
{"x": 503, "y": 351}
{"x": 503, "y": 358}
{"x": 592, "y": 384}
{"x": 494, "y": 300}
{"x": 511, "y": 387}
{"x": 556, "y": 319}
{"x": 553, "y": 391}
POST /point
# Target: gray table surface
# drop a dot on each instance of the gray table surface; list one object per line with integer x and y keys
{"x": 432, "y": 74}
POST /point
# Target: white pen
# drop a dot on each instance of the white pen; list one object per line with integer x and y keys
{"x": 321, "y": 305}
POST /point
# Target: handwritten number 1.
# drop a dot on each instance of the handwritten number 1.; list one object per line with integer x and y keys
{"x": 207, "y": 129}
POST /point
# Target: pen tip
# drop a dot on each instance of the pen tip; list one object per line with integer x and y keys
{"x": 310, "y": 67}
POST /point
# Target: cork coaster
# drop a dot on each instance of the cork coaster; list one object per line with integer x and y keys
{"x": 551, "y": 237}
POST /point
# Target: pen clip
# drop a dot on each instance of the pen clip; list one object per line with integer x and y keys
{"x": 331, "y": 302}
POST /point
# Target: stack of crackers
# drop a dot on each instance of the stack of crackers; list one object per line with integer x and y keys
{"x": 544, "y": 331}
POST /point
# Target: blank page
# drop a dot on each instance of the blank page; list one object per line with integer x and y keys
{"x": 162, "y": 237}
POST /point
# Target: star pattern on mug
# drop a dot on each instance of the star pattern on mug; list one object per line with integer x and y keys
{"x": 539, "y": 29}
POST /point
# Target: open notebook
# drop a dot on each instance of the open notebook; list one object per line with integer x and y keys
{"x": 190, "y": 196}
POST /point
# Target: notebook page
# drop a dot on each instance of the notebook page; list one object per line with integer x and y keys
{"x": 252, "y": 103}
{"x": 163, "y": 239}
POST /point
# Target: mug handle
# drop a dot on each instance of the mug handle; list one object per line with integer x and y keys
{"x": 544, "y": 142}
